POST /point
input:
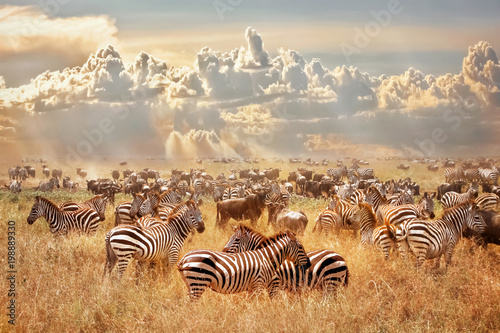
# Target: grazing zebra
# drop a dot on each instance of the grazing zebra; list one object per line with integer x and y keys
{"x": 328, "y": 269}
{"x": 451, "y": 199}
{"x": 328, "y": 220}
{"x": 97, "y": 203}
{"x": 126, "y": 212}
{"x": 375, "y": 198}
{"x": 452, "y": 174}
{"x": 366, "y": 173}
{"x": 431, "y": 239}
{"x": 487, "y": 201}
{"x": 14, "y": 186}
{"x": 337, "y": 174}
{"x": 346, "y": 211}
{"x": 396, "y": 215}
{"x": 405, "y": 197}
{"x": 489, "y": 175}
{"x": 357, "y": 197}
{"x": 160, "y": 242}
{"x": 382, "y": 237}
{"x": 154, "y": 199}
{"x": 61, "y": 222}
{"x": 233, "y": 192}
{"x": 245, "y": 271}
{"x": 48, "y": 186}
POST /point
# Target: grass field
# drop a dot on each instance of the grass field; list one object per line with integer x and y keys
{"x": 59, "y": 285}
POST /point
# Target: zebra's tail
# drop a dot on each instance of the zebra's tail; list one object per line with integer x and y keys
{"x": 111, "y": 257}
{"x": 318, "y": 219}
{"x": 391, "y": 230}
{"x": 218, "y": 212}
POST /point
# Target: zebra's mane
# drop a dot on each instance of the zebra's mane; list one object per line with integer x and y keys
{"x": 48, "y": 202}
{"x": 177, "y": 210}
{"x": 451, "y": 211}
{"x": 377, "y": 192}
{"x": 249, "y": 230}
{"x": 282, "y": 234}
{"x": 369, "y": 209}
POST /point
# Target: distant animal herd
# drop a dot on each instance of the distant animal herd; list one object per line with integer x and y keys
{"x": 162, "y": 213}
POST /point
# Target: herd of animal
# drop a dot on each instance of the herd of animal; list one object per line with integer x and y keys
{"x": 162, "y": 213}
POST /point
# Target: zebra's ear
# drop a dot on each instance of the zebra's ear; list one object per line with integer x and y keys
{"x": 433, "y": 195}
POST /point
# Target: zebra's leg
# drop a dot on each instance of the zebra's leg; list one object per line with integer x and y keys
{"x": 122, "y": 264}
{"x": 273, "y": 287}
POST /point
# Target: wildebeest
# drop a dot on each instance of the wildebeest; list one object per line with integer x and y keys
{"x": 492, "y": 233}
{"x": 14, "y": 186}
{"x": 447, "y": 187}
{"x": 248, "y": 208}
{"x": 115, "y": 174}
{"x": 57, "y": 173}
{"x": 81, "y": 172}
{"x": 284, "y": 219}
{"x": 46, "y": 172}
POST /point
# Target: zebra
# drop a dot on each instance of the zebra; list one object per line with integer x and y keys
{"x": 403, "y": 198}
{"x": 48, "y": 186}
{"x": 357, "y": 197}
{"x": 159, "y": 242}
{"x": 346, "y": 211}
{"x": 14, "y": 186}
{"x": 396, "y": 215}
{"x": 452, "y": 174}
{"x": 245, "y": 271}
{"x": 337, "y": 174}
{"x": 382, "y": 237}
{"x": 366, "y": 173}
{"x": 126, "y": 212}
{"x": 346, "y": 191}
{"x": 328, "y": 269}
{"x": 328, "y": 220}
{"x": 489, "y": 175}
{"x": 375, "y": 198}
{"x": 153, "y": 199}
{"x": 61, "y": 222}
{"x": 451, "y": 199}
{"x": 233, "y": 192}
{"x": 487, "y": 201}
{"x": 432, "y": 239}
{"x": 472, "y": 175}
{"x": 97, "y": 203}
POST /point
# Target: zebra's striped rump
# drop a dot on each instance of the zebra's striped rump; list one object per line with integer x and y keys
{"x": 246, "y": 271}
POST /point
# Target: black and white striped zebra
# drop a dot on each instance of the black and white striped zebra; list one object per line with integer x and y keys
{"x": 488, "y": 201}
{"x": 229, "y": 273}
{"x": 363, "y": 173}
{"x": 328, "y": 269}
{"x": 160, "y": 242}
{"x": 397, "y": 215}
{"x": 489, "y": 176}
{"x": 48, "y": 186}
{"x": 345, "y": 191}
{"x": 404, "y": 197}
{"x": 233, "y": 192}
{"x": 357, "y": 197}
{"x": 346, "y": 211}
{"x": 97, "y": 203}
{"x": 451, "y": 199}
{"x": 432, "y": 239}
{"x": 61, "y": 222}
{"x": 382, "y": 237}
{"x": 375, "y": 198}
{"x": 126, "y": 212}
{"x": 169, "y": 197}
{"x": 328, "y": 221}
{"x": 452, "y": 174}
{"x": 337, "y": 174}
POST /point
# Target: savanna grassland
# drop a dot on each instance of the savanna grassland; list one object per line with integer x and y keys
{"x": 59, "y": 284}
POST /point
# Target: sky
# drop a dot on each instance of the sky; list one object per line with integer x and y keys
{"x": 81, "y": 79}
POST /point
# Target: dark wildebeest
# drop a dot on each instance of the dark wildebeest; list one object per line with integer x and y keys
{"x": 57, "y": 173}
{"x": 313, "y": 189}
{"x": 272, "y": 174}
{"x": 306, "y": 173}
{"x": 447, "y": 187}
{"x": 248, "y": 208}
{"x": 492, "y": 233}
{"x": 46, "y": 172}
{"x": 115, "y": 174}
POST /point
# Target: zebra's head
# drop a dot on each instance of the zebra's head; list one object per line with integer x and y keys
{"x": 427, "y": 205}
{"x": 138, "y": 200}
{"x": 243, "y": 239}
{"x": 195, "y": 219}
{"x": 36, "y": 210}
{"x": 295, "y": 252}
{"x": 474, "y": 220}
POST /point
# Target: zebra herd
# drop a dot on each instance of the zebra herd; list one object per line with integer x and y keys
{"x": 153, "y": 227}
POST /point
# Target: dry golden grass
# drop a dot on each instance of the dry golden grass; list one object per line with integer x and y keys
{"x": 60, "y": 286}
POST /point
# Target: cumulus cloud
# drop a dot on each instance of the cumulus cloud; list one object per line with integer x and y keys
{"x": 243, "y": 102}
